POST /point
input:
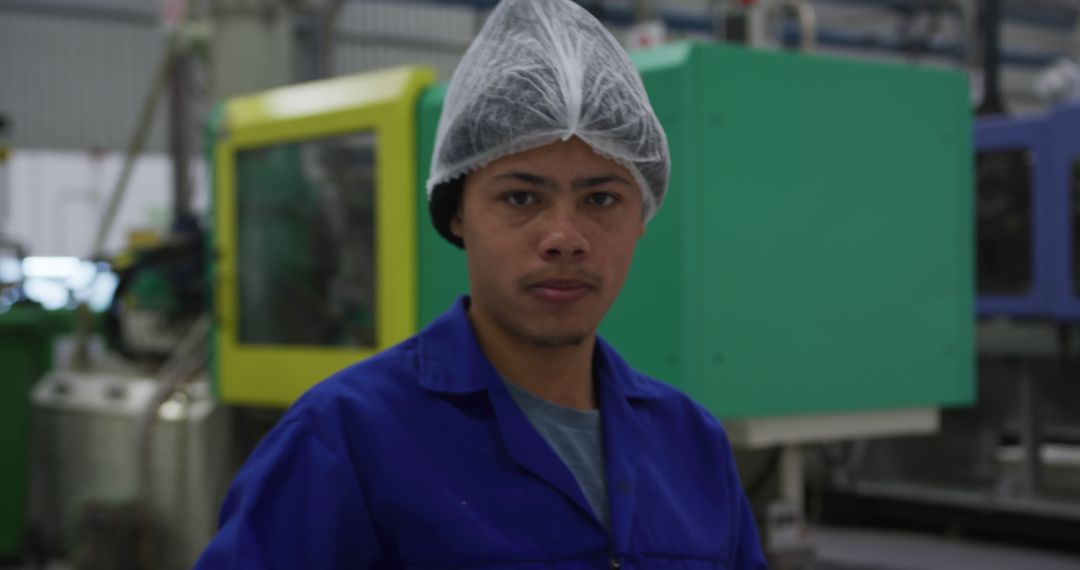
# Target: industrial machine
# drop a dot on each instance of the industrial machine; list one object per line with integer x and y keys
{"x": 1064, "y": 182}
{"x": 753, "y": 277}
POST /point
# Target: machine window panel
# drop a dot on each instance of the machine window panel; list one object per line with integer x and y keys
{"x": 1075, "y": 203}
{"x": 306, "y": 242}
{"x": 1004, "y": 223}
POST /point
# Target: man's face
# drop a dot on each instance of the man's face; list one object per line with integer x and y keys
{"x": 549, "y": 234}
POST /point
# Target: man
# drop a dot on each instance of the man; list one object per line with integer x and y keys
{"x": 507, "y": 434}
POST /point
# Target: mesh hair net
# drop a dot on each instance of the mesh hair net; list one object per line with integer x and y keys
{"x": 541, "y": 71}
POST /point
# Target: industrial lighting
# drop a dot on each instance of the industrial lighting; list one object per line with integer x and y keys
{"x": 10, "y": 270}
{"x": 51, "y": 294}
{"x": 50, "y": 267}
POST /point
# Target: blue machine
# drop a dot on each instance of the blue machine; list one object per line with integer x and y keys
{"x": 1028, "y": 215}
{"x": 1063, "y": 176}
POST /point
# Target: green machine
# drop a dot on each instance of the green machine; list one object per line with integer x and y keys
{"x": 810, "y": 274}
{"x": 813, "y": 255}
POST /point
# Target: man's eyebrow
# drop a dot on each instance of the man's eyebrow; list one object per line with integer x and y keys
{"x": 527, "y": 178}
{"x": 594, "y": 181}
{"x": 542, "y": 181}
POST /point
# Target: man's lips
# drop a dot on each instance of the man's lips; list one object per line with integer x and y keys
{"x": 560, "y": 290}
{"x": 562, "y": 284}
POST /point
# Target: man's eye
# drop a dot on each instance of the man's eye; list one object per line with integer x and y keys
{"x": 602, "y": 199}
{"x": 520, "y": 198}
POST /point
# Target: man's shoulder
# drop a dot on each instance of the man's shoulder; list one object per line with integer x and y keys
{"x": 673, "y": 404}
{"x": 370, "y": 386}
{"x": 666, "y": 393}
{"x": 668, "y": 403}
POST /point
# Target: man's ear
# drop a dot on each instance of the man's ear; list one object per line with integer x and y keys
{"x": 455, "y": 224}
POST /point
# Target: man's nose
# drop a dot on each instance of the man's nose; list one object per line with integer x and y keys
{"x": 562, "y": 239}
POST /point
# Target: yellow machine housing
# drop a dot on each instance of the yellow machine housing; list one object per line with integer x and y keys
{"x": 379, "y": 108}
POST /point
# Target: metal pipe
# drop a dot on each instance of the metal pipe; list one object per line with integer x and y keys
{"x": 82, "y": 10}
{"x": 180, "y": 124}
{"x": 1030, "y": 437}
{"x": 807, "y": 19}
{"x": 188, "y": 358}
{"x": 791, "y": 476}
{"x": 718, "y": 12}
{"x": 643, "y": 11}
{"x": 329, "y": 22}
{"x": 1075, "y": 38}
{"x": 990, "y": 23}
{"x": 968, "y": 18}
{"x": 135, "y": 147}
{"x": 675, "y": 21}
{"x": 5, "y": 190}
{"x": 391, "y": 40}
{"x": 1061, "y": 19}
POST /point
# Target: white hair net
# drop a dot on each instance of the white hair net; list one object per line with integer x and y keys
{"x": 541, "y": 71}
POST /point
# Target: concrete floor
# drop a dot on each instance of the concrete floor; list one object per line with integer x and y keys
{"x": 860, "y": 549}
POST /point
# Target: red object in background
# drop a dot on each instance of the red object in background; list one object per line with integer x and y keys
{"x": 172, "y": 12}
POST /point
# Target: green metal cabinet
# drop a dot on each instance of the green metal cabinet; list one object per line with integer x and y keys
{"x": 814, "y": 253}
{"x": 26, "y": 353}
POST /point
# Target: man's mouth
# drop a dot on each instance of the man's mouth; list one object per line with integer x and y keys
{"x": 559, "y": 291}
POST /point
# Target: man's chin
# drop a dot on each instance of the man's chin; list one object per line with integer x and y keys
{"x": 558, "y": 336}
{"x": 559, "y": 341}
{"x": 546, "y": 330}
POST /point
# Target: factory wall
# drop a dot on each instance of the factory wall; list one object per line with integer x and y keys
{"x": 75, "y": 79}
{"x": 62, "y": 193}
{"x": 72, "y": 82}
{"x": 75, "y": 82}
{"x": 378, "y": 35}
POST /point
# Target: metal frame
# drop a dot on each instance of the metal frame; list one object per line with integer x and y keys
{"x": 791, "y": 433}
{"x": 760, "y": 433}
{"x": 679, "y": 20}
{"x": 973, "y": 499}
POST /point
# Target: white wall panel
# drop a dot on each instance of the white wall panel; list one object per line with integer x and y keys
{"x": 75, "y": 83}
{"x": 57, "y": 198}
{"x": 409, "y": 20}
{"x": 379, "y": 34}
{"x": 77, "y": 80}
{"x": 354, "y": 59}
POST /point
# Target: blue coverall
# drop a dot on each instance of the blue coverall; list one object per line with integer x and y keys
{"x": 419, "y": 458}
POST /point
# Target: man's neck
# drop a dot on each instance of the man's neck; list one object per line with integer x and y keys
{"x": 561, "y": 375}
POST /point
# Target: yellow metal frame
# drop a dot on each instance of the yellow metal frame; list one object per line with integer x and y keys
{"x": 381, "y": 102}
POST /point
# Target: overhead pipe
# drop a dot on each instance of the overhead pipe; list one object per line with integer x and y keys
{"x": 134, "y": 149}
{"x": 681, "y": 21}
{"x": 180, "y": 143}
{"x": 990, "y": 26}
{"x": 807, "y": 19}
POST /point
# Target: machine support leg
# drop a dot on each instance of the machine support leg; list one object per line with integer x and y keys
{"x": 791, "y": 476}
{"x": 1030, "y": 439}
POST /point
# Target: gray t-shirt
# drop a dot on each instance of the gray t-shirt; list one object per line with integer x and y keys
{"x": 577, "y": 439}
